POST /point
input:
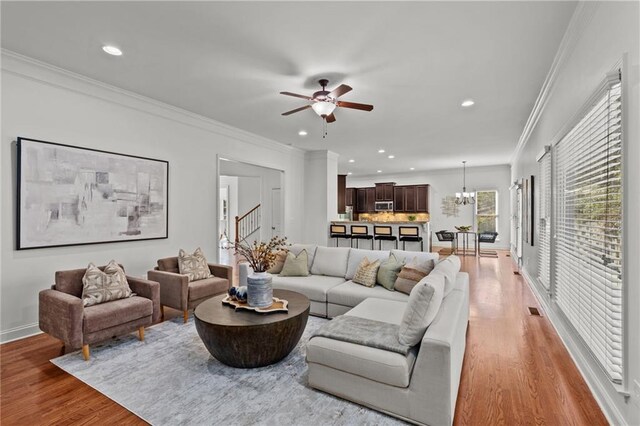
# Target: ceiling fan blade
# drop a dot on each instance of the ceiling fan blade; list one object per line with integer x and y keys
{"x": 330, "y": 118}
{"x": 295, "y": 95}
{"x": 339, "y": 91}
{"x": 353, "y": 105}
{"x": 296, "y": 110}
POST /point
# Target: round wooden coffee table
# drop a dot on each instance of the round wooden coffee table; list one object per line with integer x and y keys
{"x": 247, "y": 339}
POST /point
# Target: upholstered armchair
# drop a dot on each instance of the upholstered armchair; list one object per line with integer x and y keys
{"x": 176, "y": 291}
{"x": 63, "y": 316}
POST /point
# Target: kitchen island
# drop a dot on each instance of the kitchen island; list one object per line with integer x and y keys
{"x": 424, "y": 230}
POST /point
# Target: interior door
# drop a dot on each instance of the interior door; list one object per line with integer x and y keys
{"x": 223, "y": 224}
{"x": 276, "y": 212}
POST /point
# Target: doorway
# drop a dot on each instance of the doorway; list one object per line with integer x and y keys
{"x": 276, "y": 212}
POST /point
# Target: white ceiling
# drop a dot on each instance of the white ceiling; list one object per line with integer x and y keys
{"x": 414, "y": 61}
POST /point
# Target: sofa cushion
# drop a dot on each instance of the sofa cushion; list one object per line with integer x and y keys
{"x": 311, "y": 251}
{"x": 117, "y": 312}
{"x": 375, "y": 364}
{"x": 169, "y": 264}
{"x": 423, "y": 306}
{"x": 449, "y": 267}
{"x": 388, "y": 272}
{"x": 296, "y": 265}
{"x": 390, "y": 311}
{"x": 101, "y": 286}
{"x": 356, "y": 256}
{"x": 331, "y": 261}
{"x": 278, "y": 262}
{"x": 367, "y": 272}
{"x": 193, "y": 265}
{"x": 70, "y": 281}
{"x": 315, "y": 287}
{"x": 208, "y": 287}
{"x": 411, "y": 273}
{"x": 408, "y": 256}
{"x": 350, "y": 294}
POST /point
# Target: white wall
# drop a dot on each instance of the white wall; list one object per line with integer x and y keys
{"x": 41, "y": 102}
{"x": 231, "y": 182}
{"x": 604, "y": 32}
{"x": 446, "y": 183}
{"x": 321, "y": 195}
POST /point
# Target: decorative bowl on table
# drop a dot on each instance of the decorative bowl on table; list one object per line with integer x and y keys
{"x": 463, "y": 228}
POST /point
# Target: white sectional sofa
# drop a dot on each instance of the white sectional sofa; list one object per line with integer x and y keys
{"x": 329, "y": 286}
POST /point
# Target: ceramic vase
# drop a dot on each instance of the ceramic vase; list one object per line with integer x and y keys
{"x": 259, "y": 290}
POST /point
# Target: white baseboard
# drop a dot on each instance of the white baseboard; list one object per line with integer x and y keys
{"x": 582, "y": 360}
{"x": 18, "y": 333}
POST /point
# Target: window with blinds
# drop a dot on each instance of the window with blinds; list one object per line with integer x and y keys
{"x": 544, "y": 220}
{"x": 588, "y": 228}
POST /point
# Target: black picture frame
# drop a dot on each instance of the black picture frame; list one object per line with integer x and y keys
{"x": 53, "y": 204}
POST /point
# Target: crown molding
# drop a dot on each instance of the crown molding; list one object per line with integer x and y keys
{"x": 42, "y": 72}
{"x": 580, "y": 19}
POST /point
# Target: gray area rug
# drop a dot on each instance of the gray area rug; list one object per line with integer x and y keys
{"x": 171, "y": 379}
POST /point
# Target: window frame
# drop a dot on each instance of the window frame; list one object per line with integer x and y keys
{"x": 497, "y": 210}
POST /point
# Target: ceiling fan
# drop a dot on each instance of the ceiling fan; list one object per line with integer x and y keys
{"x": 324, "y": 102}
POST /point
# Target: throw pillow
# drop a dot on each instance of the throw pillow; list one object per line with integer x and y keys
{"x": 193, "y": 265}
{"x": 388, "y": 272}
{"x": 423, "y": 306}
{"x": 449, "y": 267}
{"x": 411, "y": 273}
{"x": 99, "y": 287}
{"x": 296, "y": 266}
{"x": 276, "y": 268}
{"x": 367, "y": 273}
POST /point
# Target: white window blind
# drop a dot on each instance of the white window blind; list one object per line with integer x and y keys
{"x": 588, "y": 229}
{"x": 544, "y": 221}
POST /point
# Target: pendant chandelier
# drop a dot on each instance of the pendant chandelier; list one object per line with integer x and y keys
{"x": 465, "y": 197}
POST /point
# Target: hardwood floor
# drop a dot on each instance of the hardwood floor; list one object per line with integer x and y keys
{"x": 516, "y": 370}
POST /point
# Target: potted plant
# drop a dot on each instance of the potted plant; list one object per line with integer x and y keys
{"x": 261, "y": 257}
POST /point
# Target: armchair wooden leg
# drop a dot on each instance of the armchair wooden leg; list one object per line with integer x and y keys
{"x": 141, "y": 334}
{"x": 162, "y": 312}
{"x": 85, "y": 352}
{"x": 186, "y": 316}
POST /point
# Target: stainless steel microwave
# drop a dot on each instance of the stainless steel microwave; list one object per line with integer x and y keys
{"x": 384, "y": 206}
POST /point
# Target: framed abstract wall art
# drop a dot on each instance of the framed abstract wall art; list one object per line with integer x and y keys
{"x": 69, "y": 195}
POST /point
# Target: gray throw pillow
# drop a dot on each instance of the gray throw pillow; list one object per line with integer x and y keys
{"x": 295, "y": 266}
{"x": 423, "y": 306}
{"x": 388, "y": 272}
{"x": 100, "y": 287}
{"x": 411, "y": 273}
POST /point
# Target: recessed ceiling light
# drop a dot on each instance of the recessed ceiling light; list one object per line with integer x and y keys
{"x": 381, "y": 151}
{"x": 467, "y": 103}
{"x": 392, "y": 157}
{"x": 379, "y": 171}
{"x": 352, "y": 161}
{"x": 349, "y": 173}
{"x": 412, "y": 168}
{"x": 302, "y": 133}
{"x": 112, "y": 50}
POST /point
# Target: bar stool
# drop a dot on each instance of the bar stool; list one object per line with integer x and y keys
{"x": 339, "y": 231}
{"x": 383, "y": 233}
{"x": 447, "y": 237}
{"x": 360, "y": 232}
{"x": 411, "y": 234}
{"x": 487, "y": 237}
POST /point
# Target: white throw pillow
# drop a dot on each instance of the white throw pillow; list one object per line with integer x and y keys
{"x": 331, "y": 261}
{"x": 357, "y": 255}
{"x": 449, "y": 267}
{"x": 408, "y": 256}
{"x": 423, "y": 306}
{"x": 311, "y": 252}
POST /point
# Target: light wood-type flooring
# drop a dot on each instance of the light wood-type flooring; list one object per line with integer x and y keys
{"x": 516, "y": 370}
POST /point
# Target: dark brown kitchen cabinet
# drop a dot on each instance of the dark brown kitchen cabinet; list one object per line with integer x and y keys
{"x": 361, "y": 200}
{"x": 410, "y": 199}
{"x": 422, "y": 198}
{"x": 350, "y": 197}
{"x": 398, "y": 199}
{"x": 371, "y": 200}
{"x": 342, "y": 196}
{"x": 384, "y": 191}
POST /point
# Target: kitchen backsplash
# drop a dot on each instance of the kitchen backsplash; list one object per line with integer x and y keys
{"x": 393, "y": 217}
